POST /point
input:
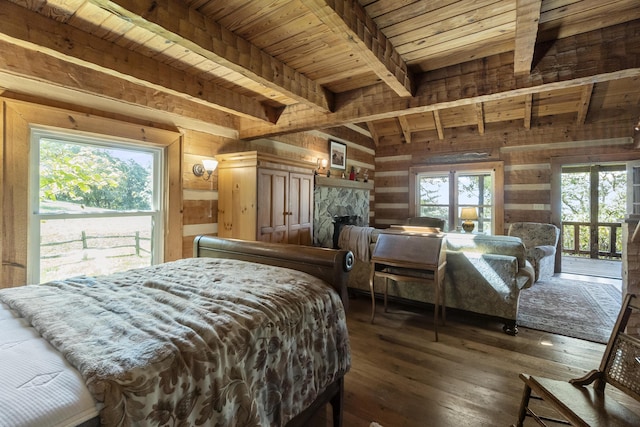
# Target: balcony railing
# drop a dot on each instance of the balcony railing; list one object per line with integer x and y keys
{"x": 599, "y": 240}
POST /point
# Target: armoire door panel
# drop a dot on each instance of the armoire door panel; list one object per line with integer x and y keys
{"x": 301, "y": 208}
{"x": 273, "y": 211}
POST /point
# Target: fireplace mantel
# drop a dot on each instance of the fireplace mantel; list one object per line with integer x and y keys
{"x": 343, "y": 183}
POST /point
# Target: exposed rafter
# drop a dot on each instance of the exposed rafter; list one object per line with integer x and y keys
{"x": 528, "y": 110}
{"x": 31, "y": 30}
{"x": 406, "y": 132}
{"x": 585, "y": 100}
{"x": 348, "y": 17}
{"x": 444, "y": 89}
{"x": 527, "y": 18}
{"x": 480, "y": 117}
{"x": 438, "y": 122}
{"x": 67, "y": 82}
{"x": 374, "y": 133}
{"x": 174, "y": 21}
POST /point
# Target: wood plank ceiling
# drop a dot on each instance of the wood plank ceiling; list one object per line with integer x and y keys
{"x": 391, "y": 69}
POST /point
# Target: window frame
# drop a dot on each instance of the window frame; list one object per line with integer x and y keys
{"x": 17, "y": 118}
{"x": 35, "y": 216}
{"x": 496, "y": 168}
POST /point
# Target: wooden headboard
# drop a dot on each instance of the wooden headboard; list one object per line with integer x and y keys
{"x": 330, "y": 265}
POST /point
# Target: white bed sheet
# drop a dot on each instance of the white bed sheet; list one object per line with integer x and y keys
{"x": 55, "y": 392}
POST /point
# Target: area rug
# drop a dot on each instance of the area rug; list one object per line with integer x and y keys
{"x": 573, "y": 308}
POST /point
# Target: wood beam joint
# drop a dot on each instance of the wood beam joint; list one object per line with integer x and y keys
{"x": 349, "y": 18}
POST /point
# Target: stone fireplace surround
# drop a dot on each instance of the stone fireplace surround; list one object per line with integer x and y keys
{"x": 338, "y": 202}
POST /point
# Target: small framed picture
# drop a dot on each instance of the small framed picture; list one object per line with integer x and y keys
{"x": 338, "y": 156}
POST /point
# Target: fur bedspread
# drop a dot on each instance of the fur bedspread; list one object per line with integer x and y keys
{"x": 196, "y": 341}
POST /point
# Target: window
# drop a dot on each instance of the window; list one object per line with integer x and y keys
{"x": 442, "y": 191}
{"x": 594, "y": 199}
{"x": 633, "y": 188}
{"x": 95, "y": 206}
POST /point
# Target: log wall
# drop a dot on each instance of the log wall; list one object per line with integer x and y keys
{"x": 528, "y": 156}
{"x": 197, "y": 207}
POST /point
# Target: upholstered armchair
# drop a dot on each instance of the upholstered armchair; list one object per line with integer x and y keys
{"x": 540, "y": 241}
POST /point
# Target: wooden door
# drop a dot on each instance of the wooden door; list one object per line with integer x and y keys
{"x": 273, "y": 205}
{"x": 300, "y": 209}
{"x": 237, "y": 203}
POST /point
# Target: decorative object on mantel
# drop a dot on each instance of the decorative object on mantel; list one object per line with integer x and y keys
{"x": 468, "y": 215}
{"x": 352, "y": 174}
{"x": 338, "y": 153}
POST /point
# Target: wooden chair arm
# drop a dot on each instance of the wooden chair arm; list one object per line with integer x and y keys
{"x": 587, "y": 379}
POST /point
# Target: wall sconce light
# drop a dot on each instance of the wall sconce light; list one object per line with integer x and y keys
{"x": 321, "y": 165}
{"x": 207, "y": 166}
{"x": 468, "y": 215}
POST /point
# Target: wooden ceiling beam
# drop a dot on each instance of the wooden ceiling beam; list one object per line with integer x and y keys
{"x": 527, "y": 18}
{"x": 173, "y": 20}
{"x": 30, "y": 30}
{"x": 482, "y": 80}
{"x": 404, "y": 125}
{"x": 585, "y": 100}
{"x": 349, "y": 19}
{"x": 74, "y": 84}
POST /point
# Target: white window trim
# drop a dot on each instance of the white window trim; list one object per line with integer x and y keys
{"x": 497, "y": 169}
{"x": 157, "y": 212}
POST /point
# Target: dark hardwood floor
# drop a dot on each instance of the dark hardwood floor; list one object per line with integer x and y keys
{"x": 401, "y": 377}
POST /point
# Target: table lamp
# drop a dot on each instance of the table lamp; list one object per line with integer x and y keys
{"x": 468, "y": 215}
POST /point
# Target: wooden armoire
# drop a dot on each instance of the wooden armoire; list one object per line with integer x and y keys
{"x": 265, "y": 197}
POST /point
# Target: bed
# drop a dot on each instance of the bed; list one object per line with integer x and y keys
{"x": 244, "y": 333}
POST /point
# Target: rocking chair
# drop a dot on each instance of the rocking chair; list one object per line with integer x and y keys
{"x": 588, "y": 406}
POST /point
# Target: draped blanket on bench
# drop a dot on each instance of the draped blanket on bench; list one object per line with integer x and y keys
{"x": 196, "y": 341}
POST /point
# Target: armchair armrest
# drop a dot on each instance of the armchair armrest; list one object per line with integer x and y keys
{"x": 540, "y": 252}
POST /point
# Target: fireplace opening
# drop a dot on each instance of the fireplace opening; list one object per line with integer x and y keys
{"x": 339, "y": 222}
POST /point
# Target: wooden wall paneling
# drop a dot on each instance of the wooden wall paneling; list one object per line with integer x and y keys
{"x": 201, "y": 211}
{"x": 517, "y": 196}
{"x": 15, "y": 197}
{"x": 527, "y": 176}
{"x": 511, "y": 216}
{"x": 173, "y": 204}
{"x": 392, "y": 181}
{"x": 2, "y": 167}
{"x": 392, "y": 197}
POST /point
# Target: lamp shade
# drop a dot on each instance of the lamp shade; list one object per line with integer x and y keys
{"x": 210, "y": 165}
{"x": 469, "y": 214}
